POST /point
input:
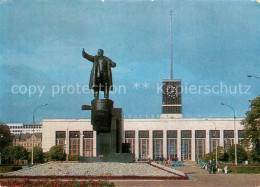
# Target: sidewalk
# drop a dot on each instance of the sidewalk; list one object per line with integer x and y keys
{"x": 200, "y": 177}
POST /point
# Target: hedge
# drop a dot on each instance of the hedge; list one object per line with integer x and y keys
{"x": 247, "y": 169}
{"x": 9, "y": 168}
{"x": 241, "y": 168}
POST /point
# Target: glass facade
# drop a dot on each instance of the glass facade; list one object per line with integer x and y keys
{"x": 214, "y": 137}
{"x": 143, "y": 145}
{"x": 228, "y": 139}
{"x": 200, "y": 143}
{"x": 130, "y": 138}
{"x": 61, "y": 139}
{"x": 172, "y": 144}
{"x": 88, "y": 143}
{"x": 186, "y": 144}
{"x": 74, "y": 142}
{"x": 241, "y": 138}
{"x": 157, "y": 145}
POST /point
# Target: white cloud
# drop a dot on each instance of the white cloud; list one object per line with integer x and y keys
{"x": 256, "y": 1}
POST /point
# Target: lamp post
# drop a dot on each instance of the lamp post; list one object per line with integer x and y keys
{"x": 1, "y": 136}
{"x": 216, "y": 143}
{"x": 33, "y": 127}
{"x": 235, "y": 134}
{"x": 253, "y": 76}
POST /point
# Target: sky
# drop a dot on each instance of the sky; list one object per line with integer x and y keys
{"x": 216, "y": 44}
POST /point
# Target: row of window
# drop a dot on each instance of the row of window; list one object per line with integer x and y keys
{"x": 26, "y": 127}
{"x": 186, "y": 139}
{"x": 143, "y": 137}
{"x": 185, "y": 134}
{"x": 74, "y": 142}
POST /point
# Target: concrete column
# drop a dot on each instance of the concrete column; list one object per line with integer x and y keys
{"x": 165, "y": 144}
{"x": 94, "y": 143}
{"x": 136, "y": 145}
{"x": 81, "y": 143}
{"x": 207, "y": 142}
{"x": 193, "y": 145}
{"x": 150, "y": 144}
{"x": 179, "y": 144}
{"x": 67, "y": 142}
{"x": 221, "y": 138}
{"x": 235, "y": 133}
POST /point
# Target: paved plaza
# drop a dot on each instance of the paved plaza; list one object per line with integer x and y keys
{"x": 200, "y": 177}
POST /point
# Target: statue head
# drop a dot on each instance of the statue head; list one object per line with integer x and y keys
{"x": 100, "y": 52}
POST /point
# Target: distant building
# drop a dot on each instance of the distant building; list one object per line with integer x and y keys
{"x": 26, "y": 140}
{"x": 182, "y": 139}
{"x": 21, "y": 128}
{"x": 169, "y": 137}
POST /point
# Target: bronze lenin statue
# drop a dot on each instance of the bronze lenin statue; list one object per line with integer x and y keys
{"x": 101, "y": 74}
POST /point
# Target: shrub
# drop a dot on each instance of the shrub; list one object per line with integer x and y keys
{"x": 12, "y": 154}
{"x": 6, "y": 169}
{"x": 207, "y": 157}
{"x": 56, "y": 153}
{"x": 37, "y": 155}
{"x": 73, "y": 157}
{"x": 241, "y": 153}
{"x": 247, "y": 169}
{"x": 241, "y": 168}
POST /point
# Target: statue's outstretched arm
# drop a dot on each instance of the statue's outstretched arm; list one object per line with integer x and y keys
{"x": 87, "y": 56}
{"x": 111, "y": 63}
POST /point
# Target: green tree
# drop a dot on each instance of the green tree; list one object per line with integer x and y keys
{"x": 37, "y": 155}
{"x": 56, "y": 153}
{"x": 252, "y": 128}
{"x": 207, "y": 157}
{"x": 7, "y": 155}
{"x": 5, "y": 136}
{"x": 14, "y": 153}
{"x": 241, "y": 154}
{"x": 19, "y": 153}
{"x": 222, "y": 155}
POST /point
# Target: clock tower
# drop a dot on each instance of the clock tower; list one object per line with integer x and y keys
{"x": 171, "y": 98}
{"x": 171, "y": 92}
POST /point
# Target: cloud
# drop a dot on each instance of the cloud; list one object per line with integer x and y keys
{"x": 258, "y": 1}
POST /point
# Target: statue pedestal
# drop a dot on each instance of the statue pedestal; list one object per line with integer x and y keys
{"x": 108, "y": 123}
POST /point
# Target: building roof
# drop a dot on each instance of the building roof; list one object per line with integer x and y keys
{"x": 24, "y": 137}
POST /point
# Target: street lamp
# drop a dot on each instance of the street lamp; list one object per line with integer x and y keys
{"x": 253, "y": 76}
{"x": 217, "y": 141}
{"x": 33, "y": 127}
{"x": 1, "y": 136}
{"x": 235, "y": 134}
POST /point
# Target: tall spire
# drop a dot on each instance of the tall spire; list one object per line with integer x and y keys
{"x": 171, "y": 48}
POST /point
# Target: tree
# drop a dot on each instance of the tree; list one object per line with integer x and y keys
{"x": 37, "y": 155}
{"x": 5, "y": 136}
{"x": 252, "y": 128}
{"x": 11, "y": 154}
{"x": 241, "y": 154}
{"x": 222, "y": 155}
{"x": 19, "y": 153}
{"x": 207, "y": 157}
{"x": 56, "y": 153}
{"x": 7, "y": 155}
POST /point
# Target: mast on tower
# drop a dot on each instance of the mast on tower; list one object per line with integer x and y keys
{"x": 171, "y": 47}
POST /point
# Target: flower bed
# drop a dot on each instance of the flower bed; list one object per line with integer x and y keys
{"x": 95, "y": 171}
{"x": 28, "y": 182}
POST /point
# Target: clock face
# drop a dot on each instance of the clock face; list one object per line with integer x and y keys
{"x": 171, "y": 91}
